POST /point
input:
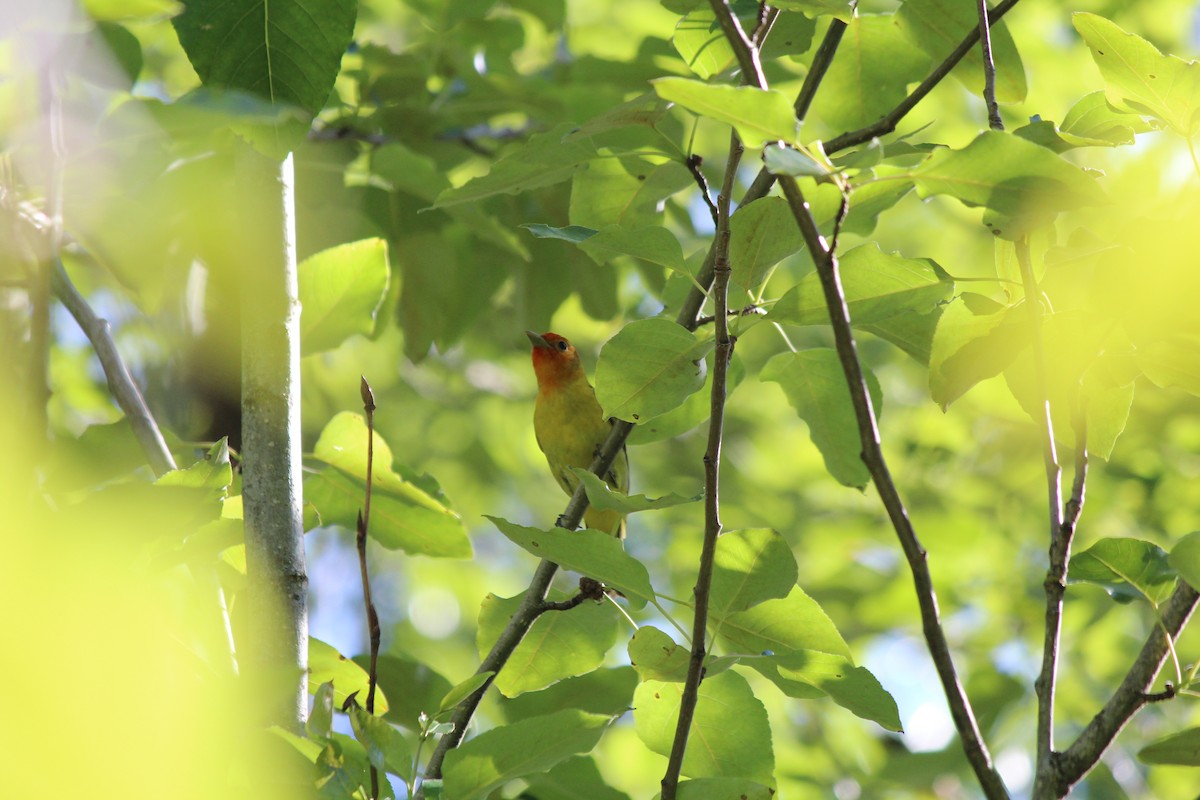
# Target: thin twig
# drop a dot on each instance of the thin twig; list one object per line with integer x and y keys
{"x": 989, "y": 68}
{"x": 712, "y": 470}
{"x": 820, "y": 65}
{"x": 1055, "y": 584}
{"x": 694, "y": 162}
{"x": 743, "y": 48}
{"x": 763, "y": 23}
{"x": 888, "y": 122}
{"x": 1075, "y": 762}
{"x": 364, "y": 520}
{"x": 872, "y": 454}
{"x": 120, "y": 382}
{"x": 752, "y": 309}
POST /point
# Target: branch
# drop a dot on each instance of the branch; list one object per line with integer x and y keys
{"x": 693, "y": 163}
{"x": 1055, "y": 584}
{"x": 712, "y": 470}
{"x": 888, "y": 122}
{"x": 364, "y": 520}
{"x": 872, "y": 455}
{"x": 120, "y": 383}
{"x": 1075, "y": 762}
{"x": 743, "y": 48}
{"x": 989, "y": 68}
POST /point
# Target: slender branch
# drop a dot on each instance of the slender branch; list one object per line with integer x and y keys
{"x": 888, "y": 122}
{"x": 743, "y": 48}
{"x": 753, "y": 309}
{"x": 989, "y": 68}
{"x": 1134, "y": 692}
{"x": 1055, "y": 584}
{"x": 872, "y": 455}
{"x": 712, "y": 469}
{"x": 694, "y": 162}
{"x": 364, "y": 521}
{"x": 120, "y": 382}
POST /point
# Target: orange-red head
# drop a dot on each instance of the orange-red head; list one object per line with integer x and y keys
{"x": 555, "y": 361}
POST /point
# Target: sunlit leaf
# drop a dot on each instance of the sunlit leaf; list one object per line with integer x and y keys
{"x": 853, "y": 688}
{"x": 327, "y": 665}
{"x": 1185, "y": 558}
{"x": 749, "y": 567}
{"x": 796, "y": 622}
{"x": 970, "y": 346}
{"x": 758, "y": 115}
{"x": 761, "y": 234}
{"x": 341, "y": 290}
{"x": 607, "y": 691}
{"x": 656, "y": 656}
{"x": 701, "y": 43}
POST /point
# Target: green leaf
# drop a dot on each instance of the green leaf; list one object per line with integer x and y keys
{"x": 117, "y": 10}
{"x": 571, "y": 233}
{"x": 937, "y": 26}
{"x": 1094, "y": 119}
{"x": 870, "y": 76}
{"x": 601, "y": 691}
{"x": 414, "y": 688}
{"x": 1181, "y": 749}
{"x": 649, "y": 368}
{"x": 876, "y": 286}
{"x": 1140, "y": 79}
{"x": 656, "y": 656}
{"x": 1022, "y": 185}
{"x": 546, "y": 159}
{"x": 1173, "y": 362}
{"x": 646, "y": 109}
{"x": 790, "y": 161}
{"x": 1128, "y": 569}
{"x": 701, "y": 43}
{"x": 320, "y": 721}
{"x": 576, "y": 778}
{"x": 853, "y": 688}
{"x": 327, "y": 665}
{"x": 814, "y": 384}
{"x": 1185, "y": 558}
{"x": 623, "y": 189}
{"x": 387, "y": 749}
{"x": 729, "y": 737}
{"x": 723, "y": 789}
{"x": 605, "y": 499}
{"x": 911, "y": 331}
{"x": 694, "y": 410}
{"x": 559, "y": 645}
{"x": 343, "y": 771}
{"x": 750, "y": 566}
{"x": 288, "y": 51}
{"x": 796, "y": 622}
{"x": 464, "y": 690}
{"x": 654, "y": 244}
{"x": 213, "y": 472}
{"x": 588, "y": 552}
{"x": 476, "y": 768}
{"x": 341, "y": 290}
{"x": 842, "y": 9}
{"x": 761, "y": 234}
{"x": 758, "y": 115}
{"x": 403, "y": 516}
{"x": 969, "y": 347}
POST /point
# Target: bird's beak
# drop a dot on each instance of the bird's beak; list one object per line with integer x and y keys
{"x": 537, "y": 340}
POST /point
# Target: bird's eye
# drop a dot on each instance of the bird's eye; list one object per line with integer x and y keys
{"x": 562, "y": 345}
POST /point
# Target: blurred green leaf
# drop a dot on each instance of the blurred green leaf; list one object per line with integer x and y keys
{"x": 723, "y": 789}
{"x": 815, "y": 386}
{"x": 649, "y": 368}
{"x": 701, "y": 43}
{"x": 559, "y": 645}
{"x": 327, "y": 665}
{"x": 573, "y": 779}
{"x": 320, "y": 721}
{"x": 414, "y": 687}
{"x": 1181, "y": 749}
{"x": 116, "y": 10}
{"x": 479, "y": 766}
{"x": 1093, "y": 118}
{"x": 1128, "y": 569}
{"x": 970, "y": 346}
{"x": 1185, "y": 558}
{"x": 463, "y": 690}
{"x": 341, "y": 290}
{"x": 730, "y": 736}
{"x": 842, "y": 9}
{"x": 386, "y": 747}
{"x": 589, "y": 552}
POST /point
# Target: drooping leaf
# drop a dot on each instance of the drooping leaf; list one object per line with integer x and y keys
{"x": 853, "y": 688}
{"x": 730, "y": 736}
{"x": 1140, "y": 79}
{"x": 340, "y": 292}
{"x": 559, "y": 645}
{"x": 288, "y": 51}
{"x": 749, "y": 567}
{"x": 796, "y": 622}
{"x": 758, "y": 115}
{"x": 476, "y": 768}
{"x": 1128, "y": 569}
{"x": 604, "y": 498}
{"x": 814, "y": 384}
{"x": 592, "y": 553}
{"x": 937, "y": 26}
{"x": 649, "y": 368}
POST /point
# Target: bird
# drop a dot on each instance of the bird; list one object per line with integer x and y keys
{"x": 570, "y": 426}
